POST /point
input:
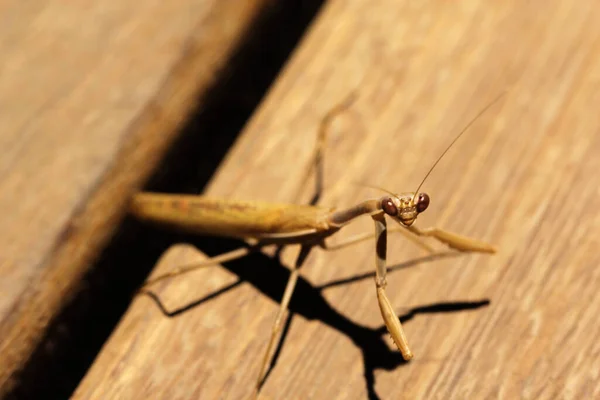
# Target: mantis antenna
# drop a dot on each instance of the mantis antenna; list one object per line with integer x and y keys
{"x": 458, "y": 137}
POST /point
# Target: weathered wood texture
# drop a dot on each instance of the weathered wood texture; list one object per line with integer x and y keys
{"x": 524, "y": 178}
{"x": 91, "y": 95}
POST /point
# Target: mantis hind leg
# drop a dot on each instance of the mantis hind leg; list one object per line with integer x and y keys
{"x": 317, "y": 165}
{"x": 277, "y": 325}
{"x": 320, "y": 147}
{"x": 216, "y": 260}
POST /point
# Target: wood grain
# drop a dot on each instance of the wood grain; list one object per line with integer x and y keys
{"x": 91, "y": 96}
{"x": 524, "y": 178}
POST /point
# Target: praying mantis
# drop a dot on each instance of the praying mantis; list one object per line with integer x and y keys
{"x": 260, "y": 224}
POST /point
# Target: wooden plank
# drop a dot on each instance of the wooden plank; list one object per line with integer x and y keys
{"x": 524, "y": 178}
{"x": 91, "y": 96}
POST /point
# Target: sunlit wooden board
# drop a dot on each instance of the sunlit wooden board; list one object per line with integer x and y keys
{"x": 523, "y": 178}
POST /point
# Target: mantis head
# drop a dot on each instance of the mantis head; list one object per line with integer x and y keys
{"x": 406, "y": 207}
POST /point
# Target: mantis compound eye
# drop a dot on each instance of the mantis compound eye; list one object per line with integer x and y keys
{"x": 389, "y": 207}
{"x": 422, "y": 202}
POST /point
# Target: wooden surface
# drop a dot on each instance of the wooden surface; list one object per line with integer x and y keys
{"x": 524, "y": 178}
{"x": 91, "y": 95}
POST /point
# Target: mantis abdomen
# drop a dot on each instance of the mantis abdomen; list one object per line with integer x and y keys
{"x": 226, "y": 217}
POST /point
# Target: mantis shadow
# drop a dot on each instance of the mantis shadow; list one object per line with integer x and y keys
{"x": 269, "y": 276}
